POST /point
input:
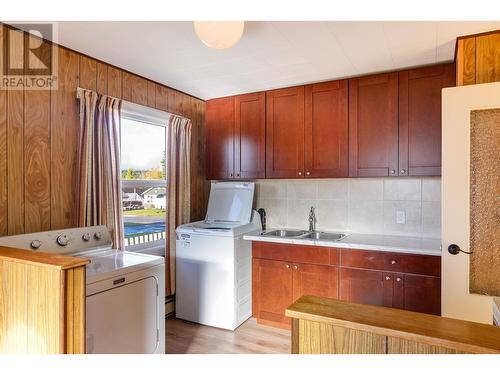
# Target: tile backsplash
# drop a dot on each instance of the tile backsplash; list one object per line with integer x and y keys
{"x": 362, "y": 205}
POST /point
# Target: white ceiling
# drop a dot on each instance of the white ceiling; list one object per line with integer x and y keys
{"x": 269, "y": 55}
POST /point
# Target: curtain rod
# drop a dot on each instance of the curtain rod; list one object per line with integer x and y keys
{"x": 80, "y": 89}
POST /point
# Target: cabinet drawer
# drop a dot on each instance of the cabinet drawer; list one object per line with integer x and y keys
{"x": 295, "y": 253}
{"x": 389, "y": 261}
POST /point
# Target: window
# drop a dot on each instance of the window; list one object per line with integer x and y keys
{"x": 143, "y": 170}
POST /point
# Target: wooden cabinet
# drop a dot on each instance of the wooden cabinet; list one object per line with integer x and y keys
{"x": 285, "y": 133}
{"x": 364, "y": 286}
{"x": 278, "y": 279}
{"x": 220, "y": 138}
{"x": 417, "y": 293}
{"x": 373, "y": 125}
{"x": 405, "y": 281}
{"x": 420, "y": 119}
{"x": 307, "y": 131}
{"x": 313, "y": 279}
{"x": 271, "y": 290}
{"x": 395, "y": 122}
{"x": 379, "y": 125}
{"x": 282, "y": 273}
{"x": 236, "y": 137}
{"x": 326, "y": 129}
{"x": 250, "y": 136}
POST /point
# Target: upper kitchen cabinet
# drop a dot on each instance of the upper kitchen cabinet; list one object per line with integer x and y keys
{"x": 420, "y": 119}
{"x": 285, "y": 133}
{"x": 236, "y": 137}
{"x": 219, "y": 119}
{"x": 326, "y": 129}
{"x": 373, "y": 125}
{"x": 250, "y": 135}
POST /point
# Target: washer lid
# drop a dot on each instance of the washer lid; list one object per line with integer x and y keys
{"x": 230, "y": 203}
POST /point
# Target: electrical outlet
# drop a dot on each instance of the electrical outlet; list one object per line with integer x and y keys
{"x": 400, "y": 217}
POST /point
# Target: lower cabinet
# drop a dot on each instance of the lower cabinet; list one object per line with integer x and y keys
{"x": 363, "y": 286}
{"x": 408, "y": 292}
{"x": 282, "y": 273}
{"x": 417, "y": 293}
{"x": 277, "y": 284}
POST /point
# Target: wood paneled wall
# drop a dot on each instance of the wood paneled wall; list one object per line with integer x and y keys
{"x": 38, "y": 140}
{"x": 478, "y": 58}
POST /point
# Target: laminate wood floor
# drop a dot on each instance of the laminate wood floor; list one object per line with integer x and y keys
{"x": 250, "y": 338}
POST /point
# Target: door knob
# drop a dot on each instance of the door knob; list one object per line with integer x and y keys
{"x": 296, "y": 267}
{"x": 308, "y": 173}
{"x": 387, "y": 278}
{"x": 287, "y": 266}
{"x": 300, "y": 173}
{"x": 403, "y": 171}
{"x": 454, "y": 249}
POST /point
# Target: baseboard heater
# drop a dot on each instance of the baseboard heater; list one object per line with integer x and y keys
{"x": 169, "y": 306}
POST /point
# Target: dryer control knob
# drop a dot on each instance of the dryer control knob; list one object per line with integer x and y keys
{"x": 86, "y": 237}
{"x": 97, "y": 235}
{"x": 35, "y": 244}
{"x": 62, "y": 240}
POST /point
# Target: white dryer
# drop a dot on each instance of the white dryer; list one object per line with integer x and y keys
{"x": 125, "y": 291}
{"x": 214, "y": 263}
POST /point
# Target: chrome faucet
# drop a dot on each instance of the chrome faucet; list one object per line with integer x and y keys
{"x": 312, "y": 220}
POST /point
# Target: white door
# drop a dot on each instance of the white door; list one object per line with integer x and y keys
{"x": 457, "y": 104}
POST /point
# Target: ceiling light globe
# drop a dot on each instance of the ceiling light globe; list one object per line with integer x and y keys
{"x": 219, "y": 34}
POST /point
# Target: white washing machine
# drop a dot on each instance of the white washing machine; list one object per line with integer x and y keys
{"x": 214, "y": 263}
{"x": 125, "y": 291}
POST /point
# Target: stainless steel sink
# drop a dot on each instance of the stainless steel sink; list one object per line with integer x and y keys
{"x": 285, "y": 233}
{"x": 324, "y": 236}
{"x": 304, "y": 234}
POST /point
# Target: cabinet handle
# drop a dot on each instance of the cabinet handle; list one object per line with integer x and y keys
{"x": 308, "y": 173}
{"x": 237, "y": 175}
{"x": 300, "y": 173}
{"x": 230, "y": 175}
{"x": 387, "y": 278}
{"x": 296, "y": 267}
{"x": 403, "y": 171}
{"x": 393, "y": 171}
{"x": 398, "y": 279}
{"x": 393, "y": 262}
{"x": 287, "y": 266}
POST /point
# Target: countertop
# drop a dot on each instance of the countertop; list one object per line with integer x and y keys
{"x": 39, "y": 258}
{"x": 460, "y": 335}
{"x": 399, "y": 244}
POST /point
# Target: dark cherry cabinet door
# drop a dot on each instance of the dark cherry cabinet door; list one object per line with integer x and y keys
{"x": 220, "y": 138}
{"x": 285, "y": 133}
{"x": 363, "y": 286}
{"x": 420, "y": 118}
{"x": 271, "y": 290}
{"x": 373, "y": 125}
{"x": 417, "y": 293}
{"x": 315, "y": 280}
{"x": 326, "y": 129}
{"x": 250, "y": 135}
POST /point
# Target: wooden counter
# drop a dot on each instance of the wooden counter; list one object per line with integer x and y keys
{"x": 42, "y": 302}
{"x": 323, "y": 325}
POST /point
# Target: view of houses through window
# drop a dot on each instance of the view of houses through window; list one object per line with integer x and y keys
{"x": 143, "y": 172}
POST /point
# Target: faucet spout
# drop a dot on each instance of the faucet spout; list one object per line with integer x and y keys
{"x": 312, "y": 220}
